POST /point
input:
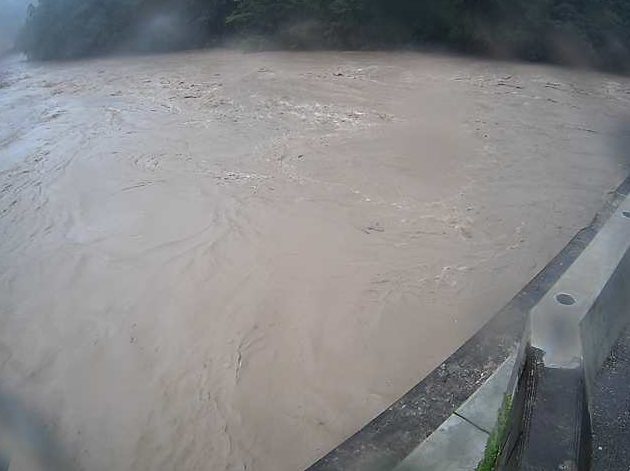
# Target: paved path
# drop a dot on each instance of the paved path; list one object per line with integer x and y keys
{"x": 611, "y": 411}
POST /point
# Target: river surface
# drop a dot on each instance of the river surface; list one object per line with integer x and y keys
{"x": 220, "y": 260}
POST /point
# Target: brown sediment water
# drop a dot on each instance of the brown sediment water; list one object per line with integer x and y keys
{"x": 219, "y": 260}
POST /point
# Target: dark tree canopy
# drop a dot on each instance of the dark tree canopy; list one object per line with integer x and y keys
{"x": 593, "y": 32}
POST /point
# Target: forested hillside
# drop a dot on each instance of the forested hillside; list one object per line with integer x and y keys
{"x": 594, "y": 32}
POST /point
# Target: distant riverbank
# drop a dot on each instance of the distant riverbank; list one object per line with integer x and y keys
{"x": 593, "y": 33}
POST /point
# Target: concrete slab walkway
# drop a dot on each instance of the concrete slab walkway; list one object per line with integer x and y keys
{"x": 459, "y": 443}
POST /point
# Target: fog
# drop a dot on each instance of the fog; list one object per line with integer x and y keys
{"x": 12, "y": 14}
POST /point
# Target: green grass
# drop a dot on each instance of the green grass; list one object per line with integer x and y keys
{"x": 497, "y": 437}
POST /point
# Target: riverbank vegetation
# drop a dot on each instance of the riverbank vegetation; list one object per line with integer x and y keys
{"x": 581, "y": 32}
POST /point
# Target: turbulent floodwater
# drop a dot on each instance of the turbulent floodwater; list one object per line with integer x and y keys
{"x": 219, "y": 260}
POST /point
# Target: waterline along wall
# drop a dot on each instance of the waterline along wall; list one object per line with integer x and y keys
{"x": 518, "y": 395}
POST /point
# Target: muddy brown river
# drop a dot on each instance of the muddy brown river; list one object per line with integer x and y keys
{"x": 232, "y": 261}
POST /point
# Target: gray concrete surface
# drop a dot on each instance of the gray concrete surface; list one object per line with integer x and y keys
{"x": 482, "y": 407}
{"x": 611, "y": 410}
{"x": 459, "y": 443}
{"x": 573, "y": 329}
{"x": 582, "y": 315}
{"x": 456, "y": 445}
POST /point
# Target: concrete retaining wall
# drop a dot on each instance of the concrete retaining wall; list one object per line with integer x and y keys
{"x": 546, "y": 346}
{"x": 572, "y": 330}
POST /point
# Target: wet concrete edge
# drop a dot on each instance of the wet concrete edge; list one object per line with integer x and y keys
{"x": 460, "y": 442}
{"x": 393, "y": 434}
{"x": 573, "y": 330}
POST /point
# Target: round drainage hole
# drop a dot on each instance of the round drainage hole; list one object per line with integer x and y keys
{"x": 565, "y": 299}
{"x": 626, "y": 213}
